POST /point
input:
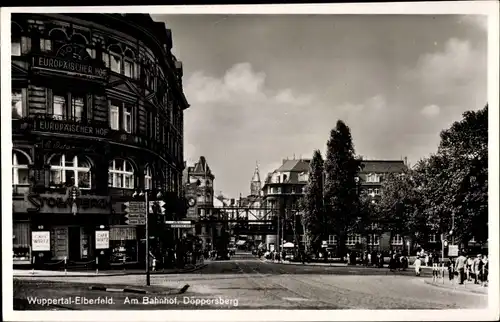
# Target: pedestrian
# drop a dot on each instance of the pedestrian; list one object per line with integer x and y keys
{"x": 460, "y": 267}
{"x": 451, "y": 271}
{"x": 470, "y": 268}
{"x": 476, "y": 268}
{"x": 417, "y": 264}
{"x": 485, "y": 271}
{"x": 435, "y": 272}
{"x": 426, "y": 260}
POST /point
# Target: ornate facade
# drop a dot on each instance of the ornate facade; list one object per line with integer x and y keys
{"x": 97, "y": 114}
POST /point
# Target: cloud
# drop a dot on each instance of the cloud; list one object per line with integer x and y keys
{"x": 457, "y": 66}
{"x": 477, "y": 21}
{"x": 237, "y": 118}
{"x": 431, "y": 110}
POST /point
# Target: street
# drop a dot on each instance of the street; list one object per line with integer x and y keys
{"x": 246, "y": 282}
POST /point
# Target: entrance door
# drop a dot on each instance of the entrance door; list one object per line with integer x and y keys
{"x": 74, "y": 243}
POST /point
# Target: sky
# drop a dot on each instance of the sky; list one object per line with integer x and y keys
{"x": 263, "y": 88}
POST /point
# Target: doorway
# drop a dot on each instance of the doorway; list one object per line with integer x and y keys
{"x": 74, "y": 243}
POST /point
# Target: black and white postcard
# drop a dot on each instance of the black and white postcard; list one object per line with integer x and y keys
{"x": 258, "y": 162}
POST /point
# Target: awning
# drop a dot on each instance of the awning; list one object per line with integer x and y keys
{"x": 241, "y": 242}
{"x": 288, "y": 245}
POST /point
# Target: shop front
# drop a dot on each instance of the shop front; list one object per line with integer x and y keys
{"x": 54, "y": 227}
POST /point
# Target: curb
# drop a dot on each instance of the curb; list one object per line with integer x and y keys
{"x": 133, "y": 290}
{"x": 460, "y": 289}
{"x": 115, "y": 274}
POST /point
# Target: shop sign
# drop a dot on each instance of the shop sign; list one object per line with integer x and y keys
{"x": 452, "y": 250}
{"x": 40, "y": 241}
{"x": 58, "y": 145}
{"x": 64, "y": 203}
{"x": 182, "y": 226}
{"x": 102, "y": 239}
{"x": 57, "y": 126}
{"x": 70, "y": 67}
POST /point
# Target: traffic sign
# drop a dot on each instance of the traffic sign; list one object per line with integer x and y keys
{"x": 135, "y": 206}
{"x": 182, "y": 226}
{"x": 135, "y": 216}
{"x": 181, "y": 222}
{"x": 135, "y": 221}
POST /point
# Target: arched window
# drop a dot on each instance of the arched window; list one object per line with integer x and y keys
{"x": 114, "y": 59}
{"x": 20, "y": 173}
{"x": 70, "y": 170}
{"x": 121, "y": 174}
{"x": 129, "y": 69}
{"x": 148, "y": 178}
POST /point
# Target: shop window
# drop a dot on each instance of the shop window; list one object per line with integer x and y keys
{"x": 20, "y": 172}
{"x": 353, "y": 240}
{"x": 69, "y": 170}
{"x": 123, "y": 244}
{"x": 121, "y": 174}
{"x": 148, "y": 178}
{"x": 114, "y": 117}
{"x": 17, "y": 104}
{"x": 21, "y": 242}
{"x": 45, "y": 45}
{"x": 332, "y": 239}
{"x": 397, "y": 240}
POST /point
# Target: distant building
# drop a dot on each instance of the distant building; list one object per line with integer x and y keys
{"x": 199, "y": 190}
{"x": 281, "y": 191}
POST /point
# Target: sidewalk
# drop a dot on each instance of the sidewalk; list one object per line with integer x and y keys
{"x": 410, "y": 267}
{"x": 466, "y": 287}
{"x": 92, "y": 273}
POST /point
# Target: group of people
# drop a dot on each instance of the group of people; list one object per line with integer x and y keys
{"x": 469, "y": 268}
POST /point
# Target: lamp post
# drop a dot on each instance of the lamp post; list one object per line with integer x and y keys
{"x": 145, "y": 194}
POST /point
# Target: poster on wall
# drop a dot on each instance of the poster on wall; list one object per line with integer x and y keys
{"x": 40, "y": 241}
{"x": 102, "y": 239}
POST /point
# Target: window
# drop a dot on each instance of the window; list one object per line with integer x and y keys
{"x": 121, "y": 174}
{"x": 332, "y": 239}
{"x": 148, "y": 178}
{"x": 432, "y": 238}
{"x": 91, "y": 52}
{"x": 128, "y": 68}
{"x": 127, "y": 118}
{"x": 15, "y": 46}
{"x": 353, "y": 240}
{"x": 377, "y": 192}
{"x": 17, "y": 104}
{"x": 20, "y": 173}
{"x": 472, "y": 240}
{"x": 370, "y": 191}
{"x": 373, "y": 240}
{"x": 373, "y": 177}
{"x": 397, "y": 240}
{"x": 70, "y": 170}
{"x": 116, "y": 63}
{"x": 105, "y": 58}
{"x": 45, "y": 45}
{"x": 77, "y": 107}
{"x": 373, "y": 226}
{"x": 59, "y": 106}
{"x": 114, "y": 117}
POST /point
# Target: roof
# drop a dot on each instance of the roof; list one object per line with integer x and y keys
{"x": 382, "y": 166}
{"x": 299, "y": 165}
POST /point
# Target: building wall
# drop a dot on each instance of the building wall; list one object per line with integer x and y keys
{"x": 107, "y": 105}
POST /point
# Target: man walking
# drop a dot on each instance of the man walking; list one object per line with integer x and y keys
{"x": 460, "y": 267}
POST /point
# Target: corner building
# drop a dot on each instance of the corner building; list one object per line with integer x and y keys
{"x": 97, "y": 114}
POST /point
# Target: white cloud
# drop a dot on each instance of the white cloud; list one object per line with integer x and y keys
{"x": 478, "y": 21}
{"x": 431, "y": 110}
{"x": 457, "y": 66}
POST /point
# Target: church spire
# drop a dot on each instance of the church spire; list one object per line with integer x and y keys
{"x": 255, "y": 184}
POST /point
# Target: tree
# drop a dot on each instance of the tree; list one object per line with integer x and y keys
{"x": 401, "y": 205}
{"x": 340, "y": 190}
{"x": 464, "y": 151}
{"x": 313, "y": 219}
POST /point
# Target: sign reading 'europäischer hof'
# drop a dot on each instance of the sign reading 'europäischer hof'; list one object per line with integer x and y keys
{"x": 65, "y": 66}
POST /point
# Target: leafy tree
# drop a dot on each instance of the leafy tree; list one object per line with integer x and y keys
{"x": 464, "y": 151}
{"x": 313, "y": 219}
{"x": 367, "y": 215}
{"x": 341, "y": 189}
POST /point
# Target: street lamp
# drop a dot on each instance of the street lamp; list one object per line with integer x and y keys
{"x": 145, "y": 194}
